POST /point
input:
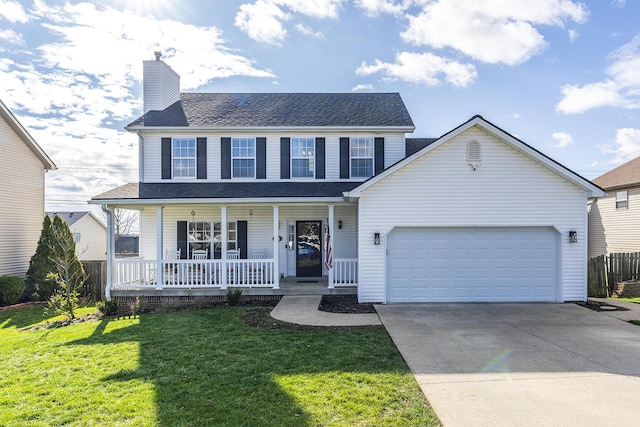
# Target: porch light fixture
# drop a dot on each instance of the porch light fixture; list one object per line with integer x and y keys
{"x": 340, "y": 224}
{"x": 376, "y": 238}
{"x": 573, "y": 236}
{"x": 193, "y": 216}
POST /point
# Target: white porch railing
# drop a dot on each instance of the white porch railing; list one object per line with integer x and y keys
{"x": 135, "y": 274}
{"x": 345, "y": 272}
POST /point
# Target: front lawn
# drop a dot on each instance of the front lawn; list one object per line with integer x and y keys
{"x": 635, "y": 299}
{"x": 201, "y": 367}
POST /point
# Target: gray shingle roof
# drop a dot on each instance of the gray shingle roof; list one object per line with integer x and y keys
{"x": 413, "y": 145}
{"x": 227, "y": 190}
{"x": 69, "y": 217}
{"x": 281, "y": 110}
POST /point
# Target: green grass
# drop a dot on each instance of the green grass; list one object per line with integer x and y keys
{"x": 201, "y": 368}
{"x": 635, "y": 299}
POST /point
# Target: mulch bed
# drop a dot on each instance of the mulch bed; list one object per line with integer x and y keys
{"x": 344, "y": 304}
{"x": 601, "y": 306}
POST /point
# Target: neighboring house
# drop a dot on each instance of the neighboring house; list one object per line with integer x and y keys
{"x": 614, "y": 220}
{"x": 23, "y": 165}
{"x": 245, "y": 189}
{"x": 89, "y": 233}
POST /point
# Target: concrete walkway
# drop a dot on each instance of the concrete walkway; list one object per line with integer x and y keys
{"x": 632, "y": 314}
{"x": 303, "y": 310}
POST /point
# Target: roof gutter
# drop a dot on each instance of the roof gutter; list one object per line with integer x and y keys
{"x": 230, "y": 129}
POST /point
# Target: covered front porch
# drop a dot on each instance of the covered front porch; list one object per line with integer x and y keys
{"x": 203, "y": 249}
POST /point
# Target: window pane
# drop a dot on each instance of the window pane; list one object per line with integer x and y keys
{"x": 361, "y": 168}
{"x": 302, "y": 157}
{"x": 302, "y": 168}
{"x": 243, "y": 168}
{"x": 184, "y": 157}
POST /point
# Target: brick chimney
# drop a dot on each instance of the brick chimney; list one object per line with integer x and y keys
{"x": 160, "y": 84}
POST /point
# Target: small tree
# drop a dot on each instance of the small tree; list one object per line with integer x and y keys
{"x": 38, "y": 287}
{"x": 67, "y": 271}
{"x": 124, "y": 220}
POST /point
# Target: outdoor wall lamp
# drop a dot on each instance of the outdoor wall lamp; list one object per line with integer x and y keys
{"x": 573, "y": 236}
{"x": 376, "y": 238}
{"x": 340, "y": 224}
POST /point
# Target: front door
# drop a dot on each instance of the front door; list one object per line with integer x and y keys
{"x": 308, "y": 249}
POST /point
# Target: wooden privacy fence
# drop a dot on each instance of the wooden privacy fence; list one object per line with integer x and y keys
{"x": 604, "y": 272}
{"x": 96, "y": 280}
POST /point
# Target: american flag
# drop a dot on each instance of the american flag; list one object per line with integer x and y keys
{"x": 328, "y": 255}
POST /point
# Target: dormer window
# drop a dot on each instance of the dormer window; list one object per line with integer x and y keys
{"x": 243, "y": 157}
{"x": 183, "y": 157}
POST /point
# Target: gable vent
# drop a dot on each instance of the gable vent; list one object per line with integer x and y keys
{"x": 474, "y": 157}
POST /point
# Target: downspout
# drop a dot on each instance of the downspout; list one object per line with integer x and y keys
{"x": 140, "y": 155}
{"x": 110, "y": 251}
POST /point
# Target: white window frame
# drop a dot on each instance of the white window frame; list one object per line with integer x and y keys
{"x": 303, "y": 154}
{"x": 360, "y": 155}
{"x": 209, "y": 242}
{"x": 183, "y": 155}
{"x": 622, "y": 199}
{"x": 243, "y": 153}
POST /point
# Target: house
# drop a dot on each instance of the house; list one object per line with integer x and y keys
{"x": 89, "y": 233}
{"x": 23, "y": 165}
{"x": 274, "y": 192}
{"x": 614, "y": 220}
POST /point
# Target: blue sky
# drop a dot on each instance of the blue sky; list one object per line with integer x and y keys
{"x": 562, "y": 75}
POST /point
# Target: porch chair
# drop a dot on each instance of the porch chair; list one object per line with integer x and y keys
{"x": 257, "y": 254}
{"x": 199, "y": 254}
{"x": 232, "y": 271}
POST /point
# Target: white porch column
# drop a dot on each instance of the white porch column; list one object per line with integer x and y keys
{"x": 110, "y": 252}
{"x": 159, "y": 247}
{"x": 330, "y": 225}
{"x": 224, "y": 231}
{"x": 276, "y": 247}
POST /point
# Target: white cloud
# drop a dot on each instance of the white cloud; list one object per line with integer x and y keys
{"x": 491, "y": 31}
{"x": 362, "y": 88}
{"x": 12, "y": 11}
{"x": 515, "y": 116}
{"x": 378, "y": 7}
{"x": 563, "y": 138}
{"x": 620, "y": 89}
{"x": 618, "y": 3}
{"x": 573, "y": 35}
{"x": 76, "y": 91}
{"x": 264, "y": 20}
{"x": 309, "y": 31}
{"x": 422, "y": 68}
{"x": 11, "y": 37}
{"x": 626, "y": 145}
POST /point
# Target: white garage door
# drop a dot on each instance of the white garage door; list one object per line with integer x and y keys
{"x": 472, "y": 264}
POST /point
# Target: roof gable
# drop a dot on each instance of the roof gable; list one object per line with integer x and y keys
{"x": 25, "y": 137}
{"x": 281, "y": 110}
{"x": 626, "y": 175}
{"x": 592, "y": 189}
{"x": 73, "y": 217}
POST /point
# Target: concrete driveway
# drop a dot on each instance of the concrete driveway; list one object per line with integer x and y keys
{"x": 520, "y": 364}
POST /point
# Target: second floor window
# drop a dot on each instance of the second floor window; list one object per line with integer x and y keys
{"x": 243, "y": 157}
{"x": 361, "y": 157}
{"x": 302, "y": 157}
{"x": 183, "y": 157}
{"x": 622, "y": 200}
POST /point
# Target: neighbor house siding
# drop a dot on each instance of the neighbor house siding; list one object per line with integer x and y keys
{"x": 394, "y": 150}
{"x": 508, "y": 189}
{"x": 614, "y": 230}
{"x": 93, "y": 238}
{"x": 21, "y": 202}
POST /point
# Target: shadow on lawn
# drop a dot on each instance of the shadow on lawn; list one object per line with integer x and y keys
{"x": 208, "y": 368}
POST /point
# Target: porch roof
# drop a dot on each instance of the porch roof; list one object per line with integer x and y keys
{"x": 226, "y": 190}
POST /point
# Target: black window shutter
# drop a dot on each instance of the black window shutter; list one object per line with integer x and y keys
{"x": 166, "y": 158}
{"x": 261, "y": 158}
{"x": 201, "y": 151}
{"x": 319, "y": 158}
{"x": 344, "y": 158}
{"x": 182, "y": 239}
{"x": 242, "y": 239}
{"x": 285, "y": 158}
{"x": 225, "y": 158}
{"x": 379, "y": 155}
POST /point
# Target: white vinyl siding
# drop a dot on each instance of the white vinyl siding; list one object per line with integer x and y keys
{"x": 21, "y": 202}
{"x": 614, "y": 230}
{"x": 394, "y": 150}
{"x": 508, "y": 190}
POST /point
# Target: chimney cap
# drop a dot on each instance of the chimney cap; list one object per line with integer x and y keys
{"x": 158, "y": 54}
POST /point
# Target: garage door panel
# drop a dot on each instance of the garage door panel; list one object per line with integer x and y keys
{"x": 477, "y": 264}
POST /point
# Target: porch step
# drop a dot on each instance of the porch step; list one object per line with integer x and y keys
{"x": 303, "y": 310}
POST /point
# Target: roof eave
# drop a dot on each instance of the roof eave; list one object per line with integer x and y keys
{"x": 315, "y": 129}
{"x": 227, "y": 200}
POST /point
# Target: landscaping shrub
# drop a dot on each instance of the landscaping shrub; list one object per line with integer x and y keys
{"x": 108, "y": 308}
{"x": 11, "y": 289}
{"x": 233, "y": 295}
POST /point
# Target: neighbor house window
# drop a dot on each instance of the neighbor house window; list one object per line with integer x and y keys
{"x": 361, "y": 153}
{"x": 183, "y": 157}
{"x": 302, "y": 157}
{"x": 207, "y": 235}
{"x": 622, "y": 200}
{"x": 243, "y": 157}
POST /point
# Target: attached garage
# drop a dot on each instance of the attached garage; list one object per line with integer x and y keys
{"x": 472, "y": 264}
